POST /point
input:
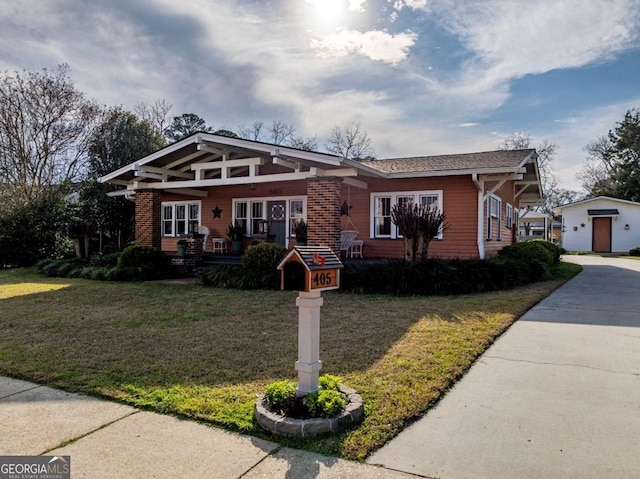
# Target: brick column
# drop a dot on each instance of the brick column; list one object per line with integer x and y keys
{"x": 323, "y": 212}
{"x": 148, "y": 218}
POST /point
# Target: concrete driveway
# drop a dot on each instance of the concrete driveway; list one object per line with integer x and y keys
{"x": 557, "y": 396}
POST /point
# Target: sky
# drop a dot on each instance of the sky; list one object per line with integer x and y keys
{"x": 423, "y": 77}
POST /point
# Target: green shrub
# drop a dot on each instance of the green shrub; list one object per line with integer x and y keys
{"x": 529, "y": 252}
{"x": 100, "y": 259}
{"x": 121, "y": 273}
{"x": 223, "y": 276}
{"x": 260, "y": 266}
{"x": 634, "y": 252}
{"x": 325, "y": 403}
{"x": 555, "y": 250}
{"x": 150, "y": 262}
{"x": 329, "y": 382}
{"x": 279, "y": 395}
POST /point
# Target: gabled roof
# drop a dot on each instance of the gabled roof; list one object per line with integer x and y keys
{"x": 558, "y": 209}
{"x": 205, "y": 159}
{"x": 488, "y": 160}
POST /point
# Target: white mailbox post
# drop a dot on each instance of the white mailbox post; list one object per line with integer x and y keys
{"x": 309, "y": 270}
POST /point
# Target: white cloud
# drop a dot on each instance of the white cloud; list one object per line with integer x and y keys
{"x": 356, "y": 5}
{"x": 376, "y": 44}
{"x": 467, "y": 125}
{"x": 512, "y": 39}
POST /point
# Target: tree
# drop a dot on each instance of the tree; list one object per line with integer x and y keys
{"x": 45, "y": 124}
{"x": 185, "y": 125}
{"x": 597, "y": 171}
{"x": 612, "y": 166}
{"x": 350, "y": 142}
{"x": 120, "y": 140}
{"x": 155, "y": 114}
{"x": 418, "y": 224}
{"x": 546, "y": 152}
{"x": 625, "y": 155}
{"x": 278, "y": 133}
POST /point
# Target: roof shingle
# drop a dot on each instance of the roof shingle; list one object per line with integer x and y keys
{"x": 466, "y": 161}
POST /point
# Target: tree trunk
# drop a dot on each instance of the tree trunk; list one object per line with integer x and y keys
{"x": 409, "y": 249}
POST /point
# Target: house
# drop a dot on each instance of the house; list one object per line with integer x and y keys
{"x": 211, "y": 180}
{"x": 539, "y": 225}
{"x": 600, "y": 225}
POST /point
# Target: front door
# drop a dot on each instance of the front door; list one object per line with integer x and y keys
{"x": 277, "y": 219}
{"x": 602, "y": 235}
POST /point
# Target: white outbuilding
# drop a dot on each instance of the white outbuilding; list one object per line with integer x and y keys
{"x": 600, "y": 225}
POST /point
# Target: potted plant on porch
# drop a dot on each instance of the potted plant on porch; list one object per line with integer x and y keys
{"x": 182, "y": 247}
{"x": 236, "y": 234}
{"x": 301, "y": 233}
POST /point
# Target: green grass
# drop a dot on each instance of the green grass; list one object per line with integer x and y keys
{"x": 206, "y": 353}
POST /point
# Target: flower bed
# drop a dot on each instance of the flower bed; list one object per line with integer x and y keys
{"x": 307, "y": 428}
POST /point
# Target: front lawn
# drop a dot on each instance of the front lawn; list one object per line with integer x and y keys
{"x": 205, "y": 353}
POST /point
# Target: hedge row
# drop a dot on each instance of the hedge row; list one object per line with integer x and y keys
{"x": 135, "y": 263}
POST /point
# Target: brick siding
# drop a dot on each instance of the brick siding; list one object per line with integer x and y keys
{"x": 323, "y": 212}
{"x": 148, "y": 218}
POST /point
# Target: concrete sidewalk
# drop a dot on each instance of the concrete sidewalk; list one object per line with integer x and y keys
{"x": 557, "y": 396}
{"x": 110, "y": 440}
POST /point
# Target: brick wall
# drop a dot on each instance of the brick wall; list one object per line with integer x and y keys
{"x": 148, "y": 218}
{"x": 323, "y": 211}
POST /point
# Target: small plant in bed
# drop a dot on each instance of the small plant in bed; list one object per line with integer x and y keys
{"x": 328, "y": 401}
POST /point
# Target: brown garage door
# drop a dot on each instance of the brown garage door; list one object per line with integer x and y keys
{"x": 602, "y": 235}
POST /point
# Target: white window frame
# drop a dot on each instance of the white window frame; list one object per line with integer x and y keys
{"x": 264, "y": 201}
{"x": 509, "y": 215}
{"x": 394, "y": 196}
{"x": 174, "y": 217}
{"x": 494, "y": 213}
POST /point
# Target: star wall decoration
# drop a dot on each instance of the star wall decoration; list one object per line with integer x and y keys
{"x": 216, "y": 212}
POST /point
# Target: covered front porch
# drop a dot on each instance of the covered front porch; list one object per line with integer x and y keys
{"x": 206, "y": 182}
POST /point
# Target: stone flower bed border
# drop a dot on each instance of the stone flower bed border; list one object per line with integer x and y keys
{"x": 307, "y": 428}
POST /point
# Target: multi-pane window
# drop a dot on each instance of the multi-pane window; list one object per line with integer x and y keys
{"x": 509, "y": 216}
{"x": 382, "y": 204}
{"x": 296, "y": 213}
{"x": 180, "y": 218}
{"x": 257, "y": 218}
{"x": 240, "y": 217}
{"x": 494, "y": 217}
{"x": 430, "y": 201}
{"x": 382, "y": 217}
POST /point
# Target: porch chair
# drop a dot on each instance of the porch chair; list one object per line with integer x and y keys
{"x": 355, "y": 250}
{"x": 203, "y": 230}
{"x": 219, "y": 245}
{"x": 346, "y": 240}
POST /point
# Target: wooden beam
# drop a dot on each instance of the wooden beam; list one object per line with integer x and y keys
{"x": 167, "y": 172}
{"x": 286, "y": 163}
{"x": 356, "y": 183}
{"x": 242, "y": 180}
{"x": 215, "y": 165}
{"x": 494, "y": 189}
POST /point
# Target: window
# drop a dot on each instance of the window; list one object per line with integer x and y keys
{"x": 240, "y": 217}
{"x": 509, "y": 216}
{"x": 296, "y": 213}
{"x": 251, "y": 213}
{"x": 382, "y": 217}
{"x": 382, "y": 203}
{"x": 257, "y": 218}
{"x": 429, "y": 200}
{"x": 494, "y": 217}
{"x": 180, "y": 218}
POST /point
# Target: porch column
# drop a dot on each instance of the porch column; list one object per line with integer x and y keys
{"x": 323, "y": 212}
{"x": 148, "y": 218}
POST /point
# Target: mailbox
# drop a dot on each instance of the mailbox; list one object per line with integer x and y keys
{"x": 310, "y": 268}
